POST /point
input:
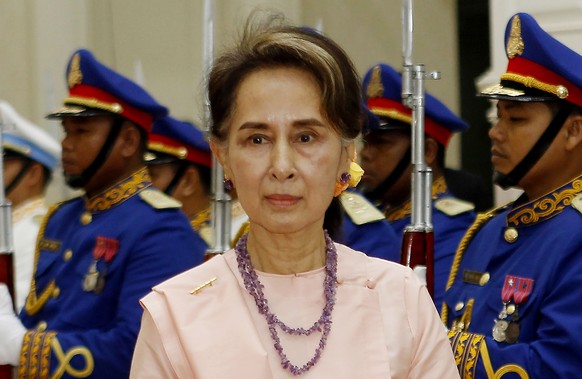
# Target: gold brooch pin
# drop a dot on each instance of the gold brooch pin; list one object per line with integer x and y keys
{"x": 196, "y": 290}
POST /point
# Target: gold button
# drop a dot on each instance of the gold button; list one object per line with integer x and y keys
{"x": 459, "y": 306}
{"x": 510, "y": 235}
{"x": 86, "y": 218}
{"x": 510, "y": 309}
{"x": 56, "y": 292}
{"x": 68, "y": 255}
{"x": 484, "y": 279}
{"x": 41, "y": 327}
{"x": 562, "y": 92}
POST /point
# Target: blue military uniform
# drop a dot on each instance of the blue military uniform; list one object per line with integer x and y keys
{"x": 512, "y": 305}
{"x": 175, "y": 141}
{"x": 96, "y": 257}
{"x": 450, "y": 216}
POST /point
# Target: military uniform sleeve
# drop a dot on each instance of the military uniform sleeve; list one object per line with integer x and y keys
{"x": 165, "y": 249}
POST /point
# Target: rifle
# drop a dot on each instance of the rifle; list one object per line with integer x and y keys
{"x": 418, "y": 240}
{"x": 6, "y": 245}
{"x": 221, "y": 201}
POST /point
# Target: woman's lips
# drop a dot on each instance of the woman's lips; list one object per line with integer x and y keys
{"x": 282, "y": 200}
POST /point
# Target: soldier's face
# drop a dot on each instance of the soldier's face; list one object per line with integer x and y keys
{"x": 12, "y": 166}
{"x": 162, "y": 174}
{"x": 381, "y": 152}
{"x": 84, "y": 138}
{"x": 519, "y": 125}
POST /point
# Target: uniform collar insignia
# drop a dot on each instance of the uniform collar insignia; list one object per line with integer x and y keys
{"x": 200, "y": 219}
{"x": 439, "y": 187}
{"x": 120, "y": 192}
{"x": 546, "y": 206}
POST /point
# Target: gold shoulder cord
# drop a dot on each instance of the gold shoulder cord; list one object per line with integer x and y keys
{"x": 34, "y": 303}
{"x": 481, "y": 219}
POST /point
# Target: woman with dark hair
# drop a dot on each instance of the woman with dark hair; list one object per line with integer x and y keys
{"x": 287, "y": 301}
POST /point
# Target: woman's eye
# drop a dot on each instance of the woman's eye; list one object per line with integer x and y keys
{"x": 305, "y": 138}
{"x": 257, "y": 140}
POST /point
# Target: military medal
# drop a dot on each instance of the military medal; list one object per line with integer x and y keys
{"x": 512, "y": 332}
{"x": 100, "y": 281}
{"x": 90, "y": 280}
{"x": 515, "y": 292}
{"x": 499, "y": 330}
{"x": 105, "y": 249}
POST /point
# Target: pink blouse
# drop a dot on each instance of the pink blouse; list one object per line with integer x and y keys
{"x": 384, "y": 324}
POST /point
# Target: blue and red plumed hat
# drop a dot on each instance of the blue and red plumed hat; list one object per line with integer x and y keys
{"x": 175, "y": 140}
{"x": 96, "y": 89}
{"x": 382, "y": 91}
{"x": 540, "y": 68}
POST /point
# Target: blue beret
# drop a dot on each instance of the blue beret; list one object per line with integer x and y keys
{"x": 540, "y": 67}
{"x": 382, "y": 85}
{"x": 95, "y": 89}
{"x": 24, "y": 138}
{"x": 180, "y": 140}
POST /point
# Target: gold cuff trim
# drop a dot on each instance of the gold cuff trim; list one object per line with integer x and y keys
{"x": 466, "y": 350}
{"x": 531, "y": 82}
{"x": 35, "y": 355}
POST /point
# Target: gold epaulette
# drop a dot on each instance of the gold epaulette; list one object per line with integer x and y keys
{"x": 452, "y": 206}
{"x": 359, "y": 209}
{"x": 158, "y": 199}
{"x": 577, "y": 202}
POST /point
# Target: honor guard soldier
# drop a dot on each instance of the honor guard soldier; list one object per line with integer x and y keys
{"x": 97, "y": 254}
{"x": 180, "y": 162}
{"x": 386, "y": 160}
{"x": 30, "y": 156}
{"x": 512, "y": 302}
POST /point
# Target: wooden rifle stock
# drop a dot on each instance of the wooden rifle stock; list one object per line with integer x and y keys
{"x": 7, "y": 277}
{"x": 418, "y": 250}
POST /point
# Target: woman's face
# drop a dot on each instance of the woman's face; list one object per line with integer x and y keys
{"x": 281, "y": 153}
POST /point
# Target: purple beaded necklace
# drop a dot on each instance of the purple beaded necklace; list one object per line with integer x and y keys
{"x": 255, "y": 289}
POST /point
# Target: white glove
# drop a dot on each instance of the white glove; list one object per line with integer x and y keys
{"x": 11, "y": 330}
{"x": 420, "y": 272}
